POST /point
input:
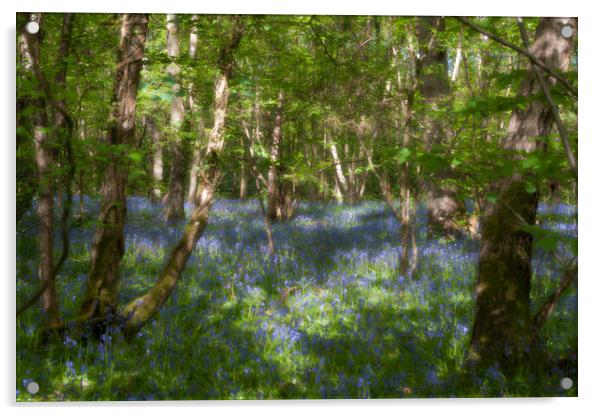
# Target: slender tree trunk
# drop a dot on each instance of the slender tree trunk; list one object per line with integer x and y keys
{"x": 26, "y": 164}
{"x": 243, "y": 174}
{"x": 341, "y": 189}
{"x": 457, "y": 62}
{"x": 195, "y": 166}
{"x": 63, "y": 128}
{"x": 502, "y": 325}
{"x": 259, "y": 180}
{"x": 156, "y": 139}
{"x": 143, "y": 308}
{"x": 409, "y": 253}
{"x": 444, "y": 210}
{"x": 274, "y": 212}
{"x": 351, "y": 180}
{"x": 109, "y": 240}
{"x": 174, "y": 203}
{"x": 44, "y": 161}
{"x": 407, "y": 263}
{"x": 196, "y": 145}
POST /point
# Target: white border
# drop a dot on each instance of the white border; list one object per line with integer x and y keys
{"x": 590, "y": 216}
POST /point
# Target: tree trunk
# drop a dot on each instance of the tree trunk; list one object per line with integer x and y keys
{"x": 26, "y": 182}
{"x": 44, "y": 161}
{"x": 341, "y": 190}
{"x": 274, "y": 212}
{"x": 196, "y": 145}
{"x": 141, "y": 309}
{"x": 408, "y": 260}
{"x": 243, "y": 174}
{"x": 502, "y": 325}
{"x": 156, "y": 157}
{"x": 195, "y": 168}
{"x": 108, "y": 246}
{"x": 443, "y": 209}
{"x": 63, "y": 127}
{"x": 174, "y": 204}
{"x": 457, "y": 62}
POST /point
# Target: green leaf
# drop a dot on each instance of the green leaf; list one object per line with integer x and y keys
{"x": 403, "y": 155}
{"x": 135, "y": 156}
{"x": 530, "y": 187}
{"x": 491, "y": 197}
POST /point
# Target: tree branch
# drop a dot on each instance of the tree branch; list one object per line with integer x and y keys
{"x": 522, "y": 51}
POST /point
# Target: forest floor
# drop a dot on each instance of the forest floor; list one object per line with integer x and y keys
{"x": 327, "y": 317}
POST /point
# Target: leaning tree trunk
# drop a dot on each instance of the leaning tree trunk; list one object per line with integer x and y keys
{"x": 502, "y": 326}
{"x": 445, "y": 212}
{"x": 109, "y": 240}
{"x": 340, "y": 179}
{"x": 174, "y": 204}
{"x": 143, "y": 308}
{"x": 44, "y": 161}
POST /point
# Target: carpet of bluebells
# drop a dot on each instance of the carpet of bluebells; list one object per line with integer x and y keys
{"x": 327, "y": 317}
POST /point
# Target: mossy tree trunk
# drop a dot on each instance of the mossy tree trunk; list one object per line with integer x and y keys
{"x": 109, "y": 240}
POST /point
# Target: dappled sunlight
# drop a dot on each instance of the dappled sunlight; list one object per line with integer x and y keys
{"x": 327, "y": 317}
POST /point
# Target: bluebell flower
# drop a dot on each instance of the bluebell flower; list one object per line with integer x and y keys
{"x": 69, "y": 342}
{"x": 70, "y": 368}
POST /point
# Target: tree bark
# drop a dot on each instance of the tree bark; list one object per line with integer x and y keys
{"x": 63, "y": 127}
{"x": 197, "y": 144}
{"x": 242, "y": 194}
{"x": 341, "y": 190}
{"x": 194, "y": 169}
{"x": 156, "y": 157}
{"x": 44, "y": 162}
{"x": 143, "y": 308}
{"x": 457, "y": 62}
{"x": 108, "y": 246}
{"x": 274, "y": 212}
{"x": 443, "y": 209}
{"x": 502, "y": 326}
{"x": 174, "y": 204}
{"x": 25, "y": 165}
{"x": 408, "y": 260}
